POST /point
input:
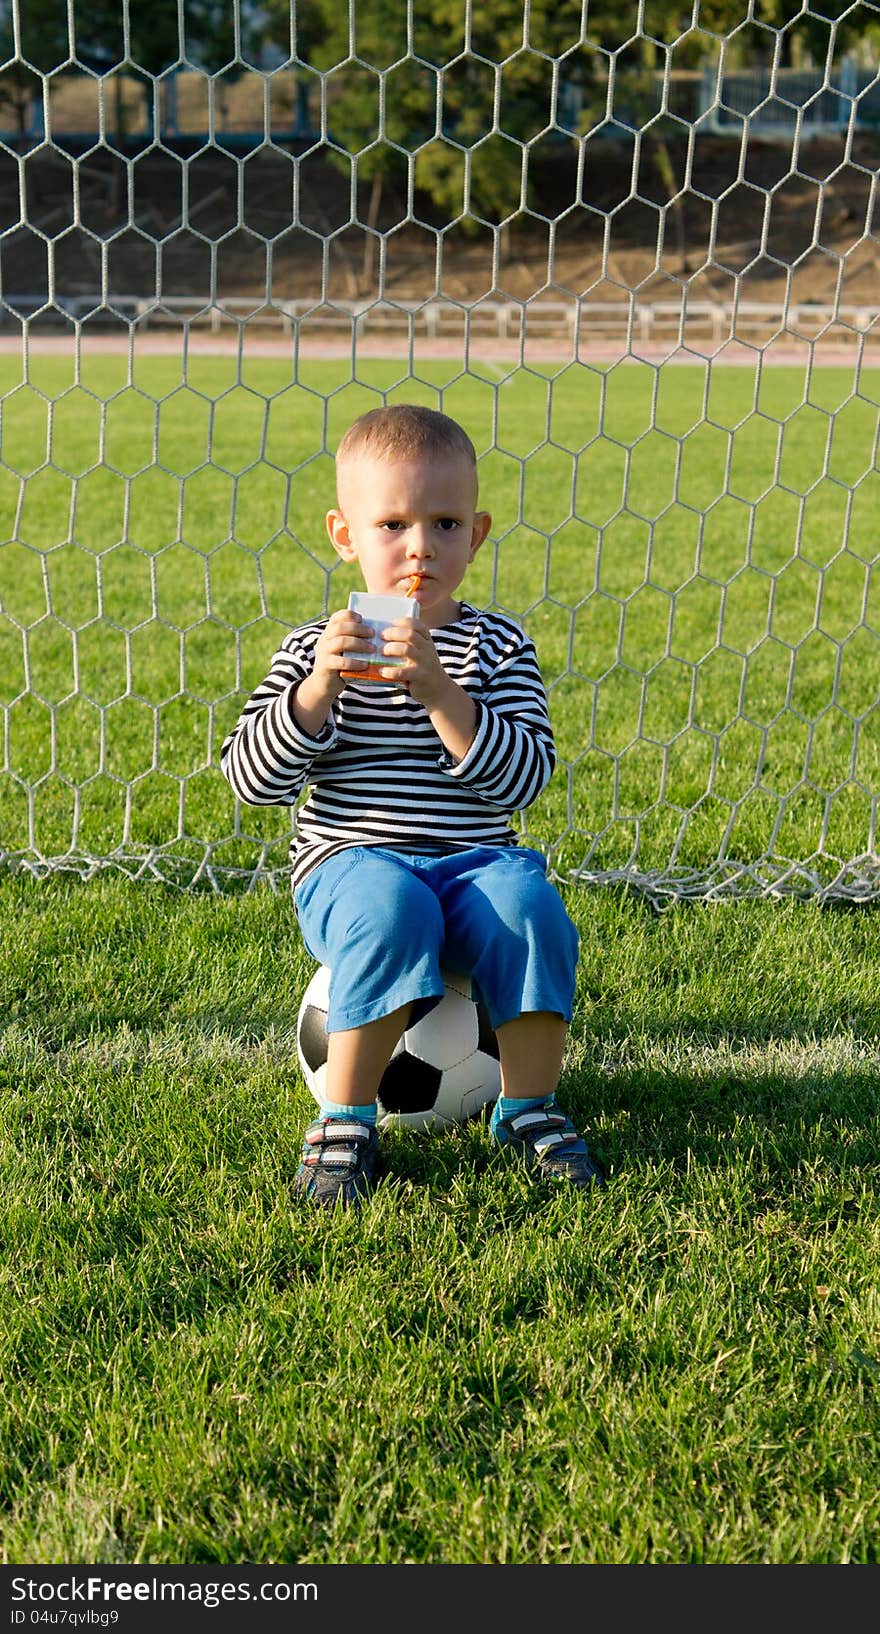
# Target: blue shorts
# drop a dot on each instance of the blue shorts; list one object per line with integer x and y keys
{"x": 385, "y": 922}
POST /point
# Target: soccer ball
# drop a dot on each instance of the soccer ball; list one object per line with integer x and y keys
{"x": 445, "y": 1069}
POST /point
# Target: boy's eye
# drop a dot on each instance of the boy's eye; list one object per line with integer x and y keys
{"x": 446, "y": 524}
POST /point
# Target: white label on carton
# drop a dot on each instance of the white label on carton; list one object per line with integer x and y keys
{"x": 379, "y": 612}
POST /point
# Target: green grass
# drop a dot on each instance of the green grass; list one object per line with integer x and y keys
{"x": 694, "y": 551}
{"x": 684, "y": 1369}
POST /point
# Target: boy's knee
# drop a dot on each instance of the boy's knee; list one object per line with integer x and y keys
{"x": 532, "y": 901}
{"x": 547, "y": 926}
{"x": 388, "y": 905}
{"x": 528, "y": 957}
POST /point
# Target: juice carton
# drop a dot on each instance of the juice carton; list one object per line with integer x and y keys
{"x": 379, "y": 612}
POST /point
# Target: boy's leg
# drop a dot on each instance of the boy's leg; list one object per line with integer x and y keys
{"x": 508, "y": 925}
{"x": 379, "y": 930}
{"x": 531, "y": 1048}
{"x": 358, "y": 1056}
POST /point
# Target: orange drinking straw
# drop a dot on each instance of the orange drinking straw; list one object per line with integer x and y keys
{"x": 414, "y": 583}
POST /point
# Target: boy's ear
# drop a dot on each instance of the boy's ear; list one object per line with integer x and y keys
{"x": 482, "y": 524}
{"x": 340, "y": 538}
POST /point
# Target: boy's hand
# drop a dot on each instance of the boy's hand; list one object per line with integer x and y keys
{"x": 340, "y": 646}
{"x": 452, "y": 712}
{"x": 421, "y": 672}
{"x": 345, "y": 644}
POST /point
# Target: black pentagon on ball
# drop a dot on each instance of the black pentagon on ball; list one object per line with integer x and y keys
{"x": 408, "y": 1084}
{"x": 313, "y": 1036}
{"x": 487, "y": 1041}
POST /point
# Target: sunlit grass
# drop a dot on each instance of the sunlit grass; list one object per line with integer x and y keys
{"x": 692, "y": 549}
{"x": 681, "y": 1370}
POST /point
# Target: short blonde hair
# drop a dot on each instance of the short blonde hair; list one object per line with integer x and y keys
{"x": 404, "y": 431}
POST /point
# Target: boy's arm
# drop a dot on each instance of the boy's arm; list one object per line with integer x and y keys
{"x": 454, "y": 719}
{"x": 499, "y": 743}
{"x": 509, "y": 756}
{"x": 268, "y": 756}
{"x": 343, "y": 645}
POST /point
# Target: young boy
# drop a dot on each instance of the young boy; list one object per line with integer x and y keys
{"x": 405, "y": 857}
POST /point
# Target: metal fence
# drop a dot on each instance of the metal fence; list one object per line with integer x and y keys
{"x": 243, "y": 109}
{"x": 700, "y": 326}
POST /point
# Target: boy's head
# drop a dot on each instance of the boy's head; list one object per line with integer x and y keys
{"x": 405, "y": 433}
{"x": 406, "y": 483}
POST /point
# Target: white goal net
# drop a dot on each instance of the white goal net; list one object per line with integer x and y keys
{"x": 633, "y": 248}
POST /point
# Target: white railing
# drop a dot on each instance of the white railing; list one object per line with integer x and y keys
{"x": 669, "y": 323}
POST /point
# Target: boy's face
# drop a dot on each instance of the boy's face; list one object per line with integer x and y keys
{"x": 399, "y": 518}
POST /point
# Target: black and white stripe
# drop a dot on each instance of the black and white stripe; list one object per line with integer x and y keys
{"x": 379, "y": 774}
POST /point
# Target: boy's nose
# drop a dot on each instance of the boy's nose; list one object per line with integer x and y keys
{"x": 419, "y": 545}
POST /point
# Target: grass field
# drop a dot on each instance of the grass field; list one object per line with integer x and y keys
{"x": 693, "y": 550}
{"x": 684, "y": 1369}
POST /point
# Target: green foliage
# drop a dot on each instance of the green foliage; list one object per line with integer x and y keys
{"x": 459, "y": 111}
{"x": 42, "y": 35}
{"x": 43, "y": 42}
{"x": 156, "y": 40}
{"x": 295, "y": 29}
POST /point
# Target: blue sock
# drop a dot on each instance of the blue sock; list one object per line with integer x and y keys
{"x": 363, "y": 1114}
{"x": 507, "y": 1105}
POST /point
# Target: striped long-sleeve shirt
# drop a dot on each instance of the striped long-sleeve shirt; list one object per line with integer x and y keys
{"x": 377, "y": 772}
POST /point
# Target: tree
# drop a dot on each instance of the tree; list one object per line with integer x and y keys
{"x": 33, "y": 43}
{"x": 467, "y": 115}
{"x": 156, "y": 41}
{"x": 296, "y": 27}
{"x": 158, "y": 37}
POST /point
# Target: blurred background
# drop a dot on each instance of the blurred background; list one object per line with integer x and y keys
{"x": 302, "y": 160}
